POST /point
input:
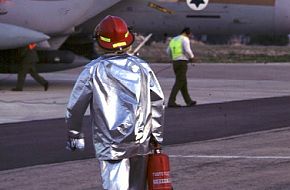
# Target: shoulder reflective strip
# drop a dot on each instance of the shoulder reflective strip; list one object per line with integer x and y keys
{"x": 119, "y": 44}
{"x": 127, "y": 34}
{"x": 105, "y": 39}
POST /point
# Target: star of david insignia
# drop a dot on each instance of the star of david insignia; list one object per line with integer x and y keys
{"x": 197, "y": 2}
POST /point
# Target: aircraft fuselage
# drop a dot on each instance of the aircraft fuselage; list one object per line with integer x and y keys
{"x": 224, "y": 17}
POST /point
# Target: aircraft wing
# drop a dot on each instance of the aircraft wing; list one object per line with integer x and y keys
{"x": 12, "y": 36}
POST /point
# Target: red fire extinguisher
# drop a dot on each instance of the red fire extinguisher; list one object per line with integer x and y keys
{"x": 159, "y": 171}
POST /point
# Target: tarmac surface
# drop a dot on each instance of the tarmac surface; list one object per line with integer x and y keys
{"x": 237, "y": 137}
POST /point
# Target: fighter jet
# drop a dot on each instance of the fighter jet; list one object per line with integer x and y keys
{"x": 25, "y": 21}
{"x": 52, "y": 21}
{"x": 204, "y": 17}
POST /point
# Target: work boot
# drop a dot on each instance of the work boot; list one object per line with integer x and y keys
{"x": 16, "y": 89}
{"x": 192, "y": 103}
{"x": 46, "y": 86}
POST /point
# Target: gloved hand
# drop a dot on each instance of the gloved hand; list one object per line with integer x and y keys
{"x": 75, "y": 141}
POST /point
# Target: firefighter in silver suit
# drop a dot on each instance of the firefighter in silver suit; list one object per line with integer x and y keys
{"x": 126, "y": 108}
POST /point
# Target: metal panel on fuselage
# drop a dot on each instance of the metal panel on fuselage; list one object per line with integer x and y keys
{"x": 219, "y": 17}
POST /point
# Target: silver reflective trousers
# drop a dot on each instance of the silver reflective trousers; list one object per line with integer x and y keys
{"x": 125, "y": 174}
{"x": 126, "y": 108}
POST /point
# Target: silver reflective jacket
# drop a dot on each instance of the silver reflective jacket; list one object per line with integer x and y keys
{"x": 126, "y": 106}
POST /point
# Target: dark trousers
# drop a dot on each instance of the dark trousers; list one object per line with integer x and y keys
{"x": 180, "y": 70}
{"x": 28, "y": 67}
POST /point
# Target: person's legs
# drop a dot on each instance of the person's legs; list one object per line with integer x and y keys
{"x": 125, "y": 174}
{"x": 115, "y": 174}
{"x": 37, "y": 77}
{"x": 180, "y": 69}
{"x": 138, "y": 173}
{"x": 177, "y": 67}
{"x": 184, "y": 89}
{"x": 23, "y": 69}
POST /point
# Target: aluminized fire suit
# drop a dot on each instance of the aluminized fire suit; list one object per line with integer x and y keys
{"x": 126, "y": 108}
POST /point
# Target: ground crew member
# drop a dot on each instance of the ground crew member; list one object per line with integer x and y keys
{"x": 181, "y": 54}
{"x": 29, "y": 59}
{"x": 126, "y": 108}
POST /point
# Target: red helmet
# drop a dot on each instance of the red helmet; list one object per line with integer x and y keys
{"x": 112, "y": 33}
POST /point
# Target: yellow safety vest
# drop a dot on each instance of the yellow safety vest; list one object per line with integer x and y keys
{"x": 176, "y": 47}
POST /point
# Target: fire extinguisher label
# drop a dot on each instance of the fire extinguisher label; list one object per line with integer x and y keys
{"x": 161, "y": 181}
{"x": 158, "y": 174}
{"x": 161, "y": 178}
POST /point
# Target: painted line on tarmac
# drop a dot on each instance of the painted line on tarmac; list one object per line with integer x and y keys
{"x": 230, "y": 157}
